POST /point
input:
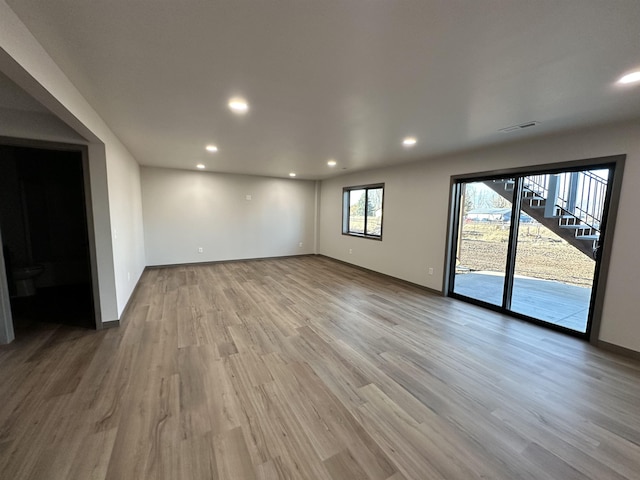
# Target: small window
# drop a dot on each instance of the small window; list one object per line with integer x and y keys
{"x": 362, "y": 211}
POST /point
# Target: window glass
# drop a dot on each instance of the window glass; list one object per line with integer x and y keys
{"x": 357, "y": 201}
{"x": 374, "y": 211}
{"x": 362, "y": 211}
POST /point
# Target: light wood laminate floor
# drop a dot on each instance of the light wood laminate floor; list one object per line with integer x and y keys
{"x": 305, "y": 368}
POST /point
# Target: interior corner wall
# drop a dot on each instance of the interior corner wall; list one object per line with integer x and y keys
{"x": 230, "y": 217}
{"x": 114, "y": 173}
{"x": 416, "y": 201}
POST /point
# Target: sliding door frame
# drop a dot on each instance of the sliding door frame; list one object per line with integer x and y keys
{"x": 614, "y": 162}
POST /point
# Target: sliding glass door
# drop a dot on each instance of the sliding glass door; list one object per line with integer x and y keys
{"x": 529, "y": 244}
{"x": 482, "y": 247}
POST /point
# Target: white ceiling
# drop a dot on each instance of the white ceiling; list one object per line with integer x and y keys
{"x": 343, "y": 79}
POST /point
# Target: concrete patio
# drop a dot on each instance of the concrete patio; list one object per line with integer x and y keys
{"x": 554, "y": 302}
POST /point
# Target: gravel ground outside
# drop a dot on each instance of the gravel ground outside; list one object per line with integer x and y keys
{"x": 540, "y": 253}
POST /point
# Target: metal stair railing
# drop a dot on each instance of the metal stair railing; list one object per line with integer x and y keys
{"x": 578, "y": 194}
{"x": 590, "y": 194}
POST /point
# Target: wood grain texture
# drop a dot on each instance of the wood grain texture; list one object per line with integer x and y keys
{"x": 306, "y": 368}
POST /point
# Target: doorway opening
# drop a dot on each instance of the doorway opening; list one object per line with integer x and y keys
{"x": 531, "y": 242}
{"x": 45, "y": 236}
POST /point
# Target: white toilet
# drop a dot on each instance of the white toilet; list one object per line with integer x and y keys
{"x": 24, "y": 278}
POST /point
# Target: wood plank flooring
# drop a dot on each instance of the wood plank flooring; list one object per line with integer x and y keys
{"x": 305, "y": 368}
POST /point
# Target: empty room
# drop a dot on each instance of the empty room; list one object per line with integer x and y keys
{"x": 329, "y": 240}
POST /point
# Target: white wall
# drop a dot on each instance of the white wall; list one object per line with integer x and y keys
{"x": 415, "y": 216}
{"x": 125, "y": 204}
{"x": 114, "y": 173}
{"x": 184, "y": 210}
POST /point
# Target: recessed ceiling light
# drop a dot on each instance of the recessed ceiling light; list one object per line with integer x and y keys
{"x": 632, "y": 77}
{"x": 238, "y": 105}
{"x": 292, "y": 174}
{"x": 211, "y": 148}
{"x": 409, "y": 141}
{"x": 200, "y": 166}
{"x": 332, "y": 163}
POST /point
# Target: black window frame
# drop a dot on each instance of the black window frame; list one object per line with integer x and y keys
{"x": 346, "y": 192}
{"x": 614, "y": 162}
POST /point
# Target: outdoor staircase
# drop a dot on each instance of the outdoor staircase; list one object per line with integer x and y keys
{"x": 570, "y": 204}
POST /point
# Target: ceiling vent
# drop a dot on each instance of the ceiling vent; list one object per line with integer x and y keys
{"x": 518, "y": 127}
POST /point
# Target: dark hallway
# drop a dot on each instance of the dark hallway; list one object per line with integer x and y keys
{"x": 45, "y": 238}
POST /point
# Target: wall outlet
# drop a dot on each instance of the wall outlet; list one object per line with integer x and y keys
{"x": 350, "y": 251}
{"x": 200, "y": 249}
{"x": 129, "y": 276}
{"x": 430, "y": 270}
{"x": 247, "y": 197}
{"x": 300, "y": 244}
